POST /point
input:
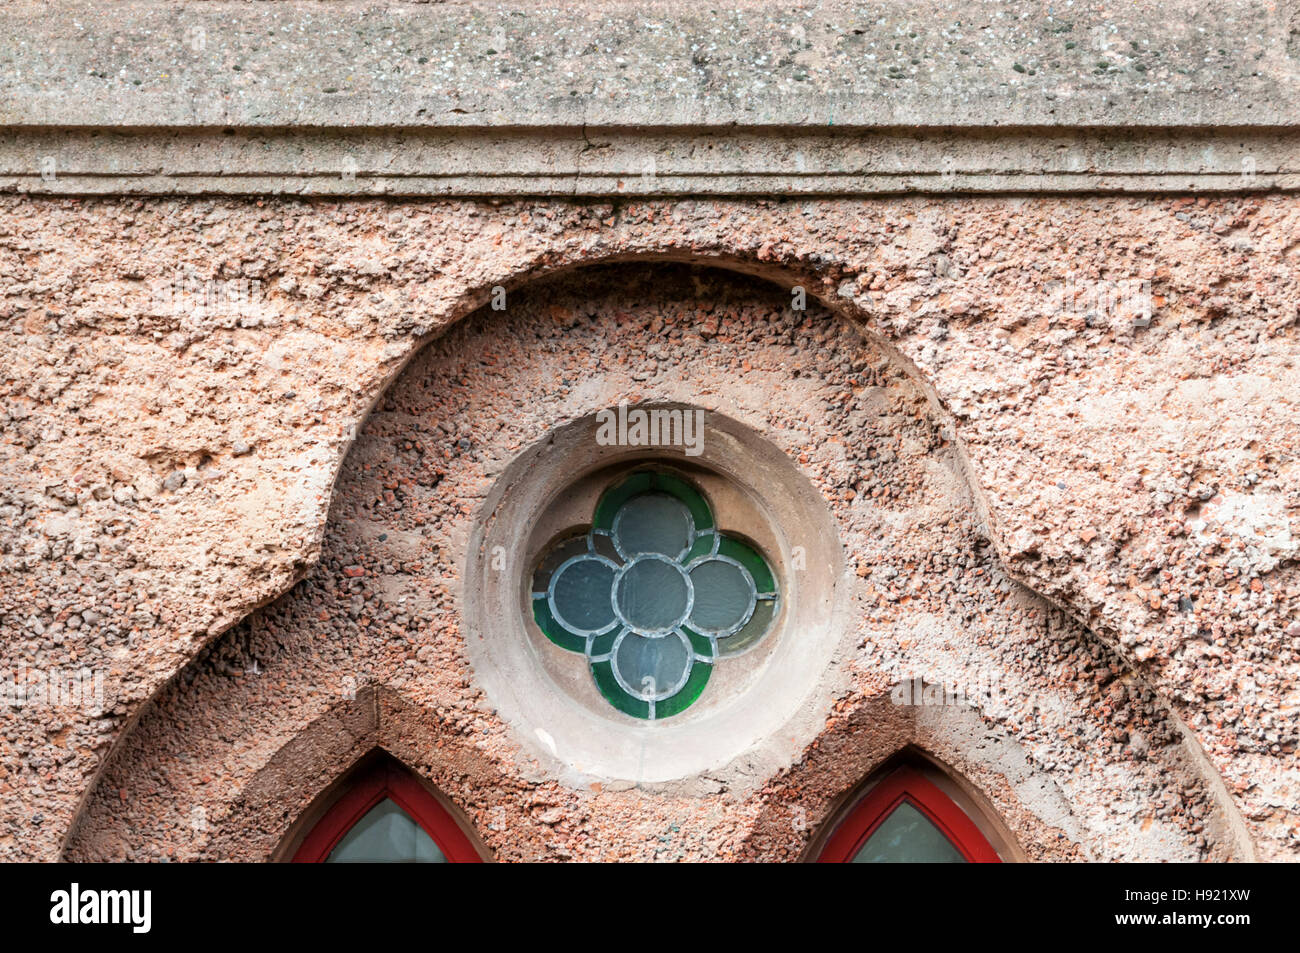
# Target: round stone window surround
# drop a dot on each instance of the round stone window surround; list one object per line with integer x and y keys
{"x": 764, "y": 702}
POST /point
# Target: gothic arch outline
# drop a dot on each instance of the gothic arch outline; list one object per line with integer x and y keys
{"x": 837, "y": 310}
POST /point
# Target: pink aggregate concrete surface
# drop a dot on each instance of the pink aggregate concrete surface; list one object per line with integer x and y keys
{"x": 166, "y": 472}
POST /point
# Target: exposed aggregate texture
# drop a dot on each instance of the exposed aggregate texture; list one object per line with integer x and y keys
{"x": 164, "y": 473}
{"x": 1061, "y": 716}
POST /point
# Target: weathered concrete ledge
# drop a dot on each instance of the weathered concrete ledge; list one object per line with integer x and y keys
{"x": 651, "y": 162}
{"x": 648, "y": 98}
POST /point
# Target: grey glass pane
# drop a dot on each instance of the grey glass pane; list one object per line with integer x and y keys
{"x": 652, "y": 667}
{"x": 653, "y": 523}
{"x": 907, "y": 836}
{"x": 582, "y": 595}
{"x": 652, "y": 595}
{"x": 722, "y": 596}
{"x": 386, "y": 835}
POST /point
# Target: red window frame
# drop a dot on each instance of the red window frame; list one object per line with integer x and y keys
{"x": 907, "y": 784}
{"x": 387, "y": 780}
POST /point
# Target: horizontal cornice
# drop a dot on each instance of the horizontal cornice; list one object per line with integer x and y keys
{"x": 339, "y": 98}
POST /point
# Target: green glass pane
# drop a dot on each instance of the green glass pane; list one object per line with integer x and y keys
{"x": 386, "y": 835}
{"x": 616, "y": 496}
{"x": 751, "y": 631}
{"x": 723, "y": 596}
{"x": 690, "y": 692}
{"x": 602, "y": 644}
{"x": 751, "y": 560}
{"x": 679, "y": 488}
{"x": 603, "y": 673}
{"x": 907, "y": 836}
{"x": 699, "y": 643}
{"x": 653, "y": 523}
{"x": 552, "y": 629}
{"x": 702, "y": 546}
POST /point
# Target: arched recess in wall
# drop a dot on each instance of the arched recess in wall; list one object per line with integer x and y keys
{"x": 380, "y": 605}
{"x": 381, "y": 812}
{"x": 910, "y": 810}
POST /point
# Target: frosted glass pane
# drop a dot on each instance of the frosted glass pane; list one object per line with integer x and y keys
{"x": 582, "y": 595}
{"x": 652, "y": 667}
{"x": 653, "y": 523}
{"x": 722, "y": 596}
{"x": 907, "y": 836}
{"x": 386, "y": 835}
{"x": 652, "y": 595}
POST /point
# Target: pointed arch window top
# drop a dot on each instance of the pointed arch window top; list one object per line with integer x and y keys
{"x": 907, "y": 836}
{"x": 905, "y": 818}
{"x": 386, "y": 835}
{"x": 385, "y": 815}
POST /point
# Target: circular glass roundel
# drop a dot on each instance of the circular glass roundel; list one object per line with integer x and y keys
{"x": 651, "y": 669}
{"x": 654, "y": 595}
{"x": 653, "y": 523}
{"x": 575, "y": 594}
{"x": 727, "y": 595}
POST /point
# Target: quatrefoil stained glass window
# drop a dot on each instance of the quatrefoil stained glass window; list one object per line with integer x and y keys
{"x": 654, "y": 595}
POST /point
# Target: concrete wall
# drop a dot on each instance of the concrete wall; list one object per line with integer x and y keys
{"x": 1115, "y": 374}
{"x": 1080, "y": 758}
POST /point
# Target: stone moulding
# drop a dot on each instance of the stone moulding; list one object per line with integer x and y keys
{"x": 620, "y": 98}
{"x": 654, "y": 162}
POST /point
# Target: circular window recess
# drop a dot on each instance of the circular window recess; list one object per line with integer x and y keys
{"x": 652, "y": 616}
